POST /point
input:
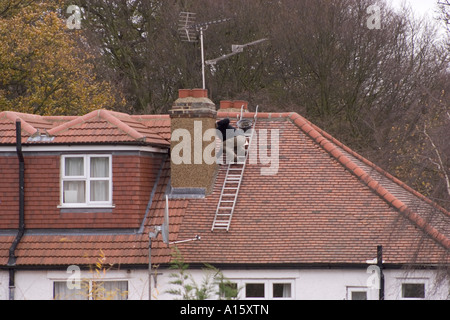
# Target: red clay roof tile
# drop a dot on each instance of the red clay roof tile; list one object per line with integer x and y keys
{"x": 310, "y": 212}
{"x": 100, "y": 126}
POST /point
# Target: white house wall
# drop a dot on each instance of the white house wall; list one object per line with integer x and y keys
{"x": 305, "y": 284}
{"x": 38, "y": 285}
{"x": 327, "y": 284}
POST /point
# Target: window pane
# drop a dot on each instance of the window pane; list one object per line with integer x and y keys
{"x": 281, "y": 290}
{"x": 413, "y": 290}
{"x": 359, "y": 295}
{"x": 74, "y": 192}
{"x": 99, "y": 167}
{"x": 74, "y": 167}
{"x": 62, "y": 292}
{"x": 100, "y": 190}
{"x": 254, "y": 290}
{"x": 110, "y": 290}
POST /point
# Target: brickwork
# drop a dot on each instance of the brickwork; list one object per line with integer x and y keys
{"x": 193, "y": 107}
{"x": 133, "y": 180}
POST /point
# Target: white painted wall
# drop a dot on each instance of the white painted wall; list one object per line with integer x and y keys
{"x": 4, "y": 282}
{"x": 316, "y": 284}
{"x": 38, "y": 285}
{"x": 305, "y": 284}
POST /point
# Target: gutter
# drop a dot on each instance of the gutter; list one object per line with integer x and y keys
{"x": 21, "y": 231}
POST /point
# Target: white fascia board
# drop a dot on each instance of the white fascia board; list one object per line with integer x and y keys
{"x": 82, "y": 148}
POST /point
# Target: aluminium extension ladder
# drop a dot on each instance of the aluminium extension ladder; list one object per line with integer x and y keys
{"x": 231, "y": 186}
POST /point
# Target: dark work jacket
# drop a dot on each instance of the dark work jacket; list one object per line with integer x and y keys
{"x": 223, "y": 126}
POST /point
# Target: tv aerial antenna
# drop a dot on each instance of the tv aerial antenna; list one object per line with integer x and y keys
{"x": 188, "y": 29}
{"x": 235, "y": 49}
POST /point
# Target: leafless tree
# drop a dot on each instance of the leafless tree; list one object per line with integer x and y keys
{"x": 373, "y": 88}
{"x": 444, "y": 6}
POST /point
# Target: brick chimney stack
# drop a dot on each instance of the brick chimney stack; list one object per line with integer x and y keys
{"x": 192, "y": 114}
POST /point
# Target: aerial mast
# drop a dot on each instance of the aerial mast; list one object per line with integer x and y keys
{"x": 188, "y": 31}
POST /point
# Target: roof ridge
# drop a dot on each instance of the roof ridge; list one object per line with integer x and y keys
{"x": 364, "y": 177}
{"x": 150, "y": 116}
{"x": 131, "y": 119}
{"x": 379, "y": 169}
{"x": 114, "y": 120}
{"x": 79, "y": 120}
{"x": 260, "y": 115}
{"x": 103, "y": 114}
{"x": 14, "y": 116}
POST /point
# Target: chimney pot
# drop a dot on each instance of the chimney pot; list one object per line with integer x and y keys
{"x": 239, "y": 103}
{"x": 199, "y": 93}
{"x": 184, "y": 93}
{"x": 226, "y": 104}
{"x": 233, "y": 106}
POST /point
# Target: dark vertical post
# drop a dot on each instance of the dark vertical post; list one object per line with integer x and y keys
{"x": 12, "y": 285}
{"x": 12, "y": 250}
{"x": 380, "y": 266}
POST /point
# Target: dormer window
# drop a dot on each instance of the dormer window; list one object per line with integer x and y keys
{"x": 86, "y": 181}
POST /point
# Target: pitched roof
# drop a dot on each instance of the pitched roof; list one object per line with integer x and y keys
{"x": 96, "y": 127}
{"x": 326, "y": 205}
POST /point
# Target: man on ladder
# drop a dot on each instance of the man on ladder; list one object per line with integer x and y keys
{"x": 242, "y": 139}
{"x": 233, "y": 142}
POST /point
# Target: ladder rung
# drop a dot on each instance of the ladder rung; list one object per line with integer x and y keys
{"x": 225, "y": 208}
{"x": 221, "y": 223}
{"x": 224, "y": 214}
{"x": 231, "y": 188}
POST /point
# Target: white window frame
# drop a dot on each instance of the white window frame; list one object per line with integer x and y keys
{"x": 85, "y": 177}
{"x": 89, "y": 295}
{"x": 281, "y": 281}
{"x": 351, "y": 289}
{"x": 255, "y": 282}
{"x": 423, "y": 281}
{"x": 268, "y": 288}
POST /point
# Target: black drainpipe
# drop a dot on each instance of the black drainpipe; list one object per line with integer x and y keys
{"x": 12, "y": 256}
{"x": 380, "y": 265}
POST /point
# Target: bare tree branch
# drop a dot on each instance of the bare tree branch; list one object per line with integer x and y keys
{"x": 440, "y": 163}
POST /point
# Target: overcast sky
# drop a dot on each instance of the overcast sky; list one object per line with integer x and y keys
{"x": 419, "y": 6}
